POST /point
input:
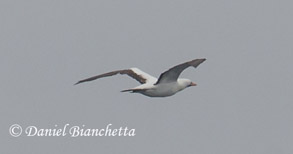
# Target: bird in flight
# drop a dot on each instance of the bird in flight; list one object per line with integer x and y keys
{"x": 168, "y": 83}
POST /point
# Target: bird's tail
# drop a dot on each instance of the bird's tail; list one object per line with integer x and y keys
{"x": 127, "y": 90}
{"x": 133, "y": 90}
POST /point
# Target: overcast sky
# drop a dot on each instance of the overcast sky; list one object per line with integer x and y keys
{"x": 242, "y": 102}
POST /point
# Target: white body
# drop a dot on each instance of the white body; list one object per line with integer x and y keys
{"x": 164, "y": 89}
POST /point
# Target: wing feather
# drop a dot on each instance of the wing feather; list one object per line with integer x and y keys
{"x": 135, "y": 73}
{"x": 173, "y": 73}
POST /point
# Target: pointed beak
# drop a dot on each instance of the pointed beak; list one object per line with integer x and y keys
{"x": 192, "y": 84}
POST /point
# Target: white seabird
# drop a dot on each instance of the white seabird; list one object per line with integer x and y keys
{"x": 167, "y": 85}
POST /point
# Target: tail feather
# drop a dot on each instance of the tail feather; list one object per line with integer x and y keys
{"x": 133, "y": 90}
{"x": 127, "y": 90}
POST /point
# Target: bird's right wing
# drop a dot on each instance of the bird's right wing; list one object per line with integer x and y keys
{"x": 173, "y": 73}
{"x": 135, "y": 73}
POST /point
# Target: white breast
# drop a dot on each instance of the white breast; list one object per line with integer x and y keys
{"x": 163, "y": 90}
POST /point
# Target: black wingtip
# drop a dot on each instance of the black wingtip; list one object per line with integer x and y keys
{"x": 201, "y": 60}
{"x": 77, "y": 83}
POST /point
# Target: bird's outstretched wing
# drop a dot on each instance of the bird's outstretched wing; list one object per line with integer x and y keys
{"x": 173, "y": 73}
{"x": 135, "y": 73}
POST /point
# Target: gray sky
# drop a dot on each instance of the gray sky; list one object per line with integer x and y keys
{"x": 242, "y": 104}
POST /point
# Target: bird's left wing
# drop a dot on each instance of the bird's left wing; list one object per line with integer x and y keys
{"x": 135, "y": 73}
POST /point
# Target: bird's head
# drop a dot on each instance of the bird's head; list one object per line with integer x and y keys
{"x": 186, "y": 83}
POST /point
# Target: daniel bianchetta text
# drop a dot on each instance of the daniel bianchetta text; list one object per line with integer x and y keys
{"x": 73, "y": 131}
